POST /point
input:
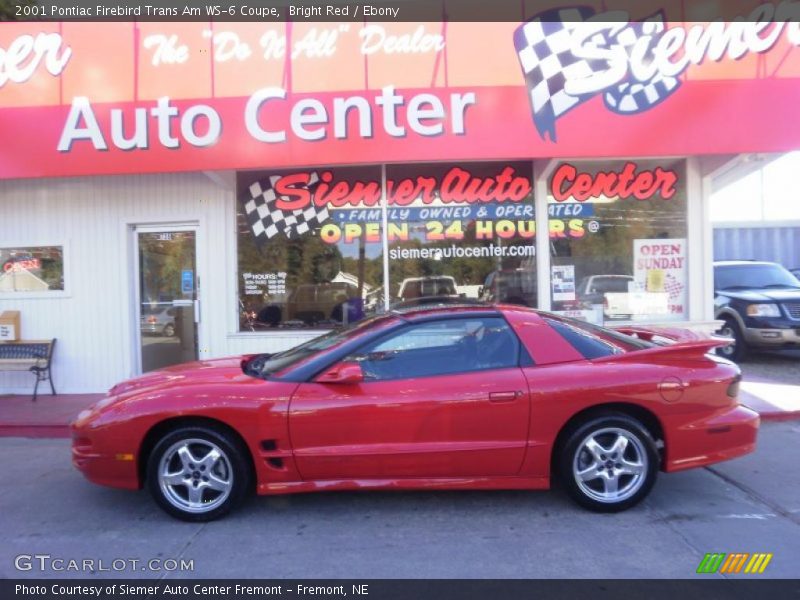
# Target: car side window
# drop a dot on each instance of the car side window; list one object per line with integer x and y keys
{"x": 443, "y": 347}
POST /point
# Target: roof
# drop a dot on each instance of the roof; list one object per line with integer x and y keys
{"x": 467, "y": 308}
{"x": 733, "y": 263}
{"x": 429, "y": 310}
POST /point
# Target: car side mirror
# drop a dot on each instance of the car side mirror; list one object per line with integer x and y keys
{"x": 343, "y": 372}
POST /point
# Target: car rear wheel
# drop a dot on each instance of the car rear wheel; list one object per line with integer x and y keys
{"x": 197, "y": 473}
{"x": 737, "y": 351}
{"x": 169, "y": 330}
{"x": 609, "y": 463}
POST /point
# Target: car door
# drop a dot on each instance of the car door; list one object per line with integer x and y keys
{"x": 440, "y": 398}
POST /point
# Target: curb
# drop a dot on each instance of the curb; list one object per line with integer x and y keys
{"x": 35, "y": 431}
{"x": 780, "y": 415}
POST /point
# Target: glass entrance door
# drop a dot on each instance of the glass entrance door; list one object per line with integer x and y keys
{"x": 168, "y": 298}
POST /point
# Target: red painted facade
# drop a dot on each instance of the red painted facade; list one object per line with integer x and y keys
{"x": 463, "y": 96}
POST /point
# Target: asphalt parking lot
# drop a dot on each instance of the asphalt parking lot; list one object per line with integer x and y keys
{"x": 748, "y": 505}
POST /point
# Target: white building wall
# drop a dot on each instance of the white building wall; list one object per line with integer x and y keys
{"x": 93, "y": 319}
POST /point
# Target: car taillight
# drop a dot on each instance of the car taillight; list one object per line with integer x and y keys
{"x": 151, "y": 319}
{"x": 733, "y": 387}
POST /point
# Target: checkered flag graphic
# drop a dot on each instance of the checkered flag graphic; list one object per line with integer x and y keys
{"x": 673, "y": 287}
{"x": 635, "y": 96}
{"x": 544, "y": 45}
{"x": 266, "y": 220}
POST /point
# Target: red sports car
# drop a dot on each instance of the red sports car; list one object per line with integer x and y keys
{"x": 455, "y": 397}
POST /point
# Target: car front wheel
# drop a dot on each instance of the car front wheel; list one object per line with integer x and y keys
{"x": 609, "y": 463}
{"x": 197, "y": 473}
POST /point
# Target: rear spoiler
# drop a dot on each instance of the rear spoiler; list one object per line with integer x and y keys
{"x": 672, "y": 343}
{"x": 668, "y": 334}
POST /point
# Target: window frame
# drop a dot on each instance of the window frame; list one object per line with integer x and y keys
{"x": 66, "y": 270}
{"x": 543, "y": 171}
{"x": 523, "y": 356}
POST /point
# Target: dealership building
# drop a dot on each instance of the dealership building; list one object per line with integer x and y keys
{"x": 180, "y": 191}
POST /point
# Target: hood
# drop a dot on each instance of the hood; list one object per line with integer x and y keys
{"x": 202, "y": 371}
{"x": 760, "y": 295}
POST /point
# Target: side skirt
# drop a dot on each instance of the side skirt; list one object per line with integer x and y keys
{"x": 439, "y": 483}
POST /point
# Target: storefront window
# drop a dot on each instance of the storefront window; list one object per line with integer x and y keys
{"x": 461, "y": 232}
{"x": 618, "y": 240}
{"x": 310, "y": 242}
{"x": 309, "y": 247}
{"x": 31, "y": 269}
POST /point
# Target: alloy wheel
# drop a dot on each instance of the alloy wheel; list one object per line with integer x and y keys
{"x": 195, "y": 475}
{"x": 610, "y": 465}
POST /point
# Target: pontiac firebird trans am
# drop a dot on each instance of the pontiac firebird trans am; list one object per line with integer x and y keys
{"x": 437, "y": 397}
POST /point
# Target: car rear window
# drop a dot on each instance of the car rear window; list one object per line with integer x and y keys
{"x": 587, "y": 344}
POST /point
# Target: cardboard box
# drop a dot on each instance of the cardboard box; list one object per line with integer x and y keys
{"x": 9, "y": 326}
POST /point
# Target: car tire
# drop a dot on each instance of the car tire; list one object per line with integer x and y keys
{"x": 608, "y": 463}
{"x": 169, "y": 330}
{"x": 737, "y": 352}
{"x": 198, "y": 473}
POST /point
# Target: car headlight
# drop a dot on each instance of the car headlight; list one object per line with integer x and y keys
{"x": 763, "y": 310}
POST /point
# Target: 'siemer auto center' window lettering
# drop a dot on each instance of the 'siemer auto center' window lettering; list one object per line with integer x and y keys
{"x": 304, "y": 260}
{"x": 470, "y": 234}
{"x": 618, "y": 240}
{"x": 310, "y": 241}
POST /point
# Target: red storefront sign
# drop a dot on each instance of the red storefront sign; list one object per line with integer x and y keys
{"x": 568, "y": 183}
{"x": 83, "y": 98}
{"x": 458, "y": 185}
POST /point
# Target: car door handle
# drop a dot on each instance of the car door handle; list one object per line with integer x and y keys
{"x": 504, "y": 396}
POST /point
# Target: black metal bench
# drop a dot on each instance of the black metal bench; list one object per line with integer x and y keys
{"x": 29, "y": 355}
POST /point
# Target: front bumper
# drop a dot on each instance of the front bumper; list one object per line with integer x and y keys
{"x": 772, "y": 337}
{"x": 723, "y": 435}
{"x": 104, "y": 468}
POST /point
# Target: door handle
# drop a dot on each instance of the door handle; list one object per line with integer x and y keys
{"x": 504, "y": 396}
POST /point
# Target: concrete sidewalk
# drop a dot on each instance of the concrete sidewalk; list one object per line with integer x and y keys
{"x": 771, "y": 384}
{"x": 47, "y": 417}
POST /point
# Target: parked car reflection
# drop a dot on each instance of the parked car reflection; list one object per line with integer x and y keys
{"x": 322, "y": 305}
{"x": 158, "y": 319}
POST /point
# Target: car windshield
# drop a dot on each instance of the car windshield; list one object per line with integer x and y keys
{"x": 760, "y": 276}
{"x": 265, "y": 365}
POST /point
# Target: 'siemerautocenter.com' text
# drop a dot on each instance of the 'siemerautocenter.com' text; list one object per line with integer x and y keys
{"x": 47, "y": 562}
{"x": 462, "y": 252}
